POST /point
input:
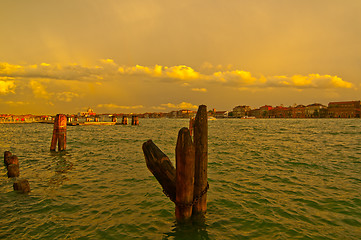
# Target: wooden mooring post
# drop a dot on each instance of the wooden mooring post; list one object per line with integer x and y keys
{"x": 185, "y": 175}
{"x": 59, "y": 133}
{"x": 186, "y": 185}
{"x": 125, "y": 120}
{"x": 135, "y": 120}
{"x": 201, "y": 155}
{"x": 12, "y": 164}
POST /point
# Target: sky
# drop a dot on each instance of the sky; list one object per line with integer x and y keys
{"x": 137, "y": 56}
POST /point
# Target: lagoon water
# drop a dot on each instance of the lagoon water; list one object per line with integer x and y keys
{"x": 269, "y": 179}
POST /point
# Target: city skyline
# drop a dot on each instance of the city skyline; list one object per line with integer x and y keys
{"x": 152, "y": 56}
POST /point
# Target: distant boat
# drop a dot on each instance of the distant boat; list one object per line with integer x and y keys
{"x": 248, "y": 117}
{"x": 211, "y": 118}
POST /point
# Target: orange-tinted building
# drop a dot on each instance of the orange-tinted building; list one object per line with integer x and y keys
{"x": 350, "y": 109}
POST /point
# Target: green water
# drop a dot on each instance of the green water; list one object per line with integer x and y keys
{"x": 269, "y": 179}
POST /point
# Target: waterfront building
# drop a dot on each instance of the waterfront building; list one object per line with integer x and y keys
{"x": 349, "y": 109}
{"x": 280, "y": 112}
{"x": 221, "y": 114}
{"x": 299, "y": 111}
{"x": 241, "y": 111}
{"x": 264, "y": 111}
{"x": 316, "y": 110}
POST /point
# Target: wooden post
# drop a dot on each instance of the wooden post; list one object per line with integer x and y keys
{"x": 191, "y": 125}
{"x": 114, "y": 119}
{"x": 201, "y": 159}
{"x": 59, "y": 133}
{"x": 13, "y": 159}
{"x": 125, "y": 120}
{"x": 161, "y": 167}
{"x": 7, "y": 154}
{"x": 22, "y": 185}
{"x": 13, "y": 170}
{"x": 135, "y": 120}
{"x": 185, "y": 175}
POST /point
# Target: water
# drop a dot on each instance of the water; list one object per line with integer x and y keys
{"x": 269, "y": 179}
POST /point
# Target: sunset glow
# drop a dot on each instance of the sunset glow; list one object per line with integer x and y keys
{"x": 139, "y": 56}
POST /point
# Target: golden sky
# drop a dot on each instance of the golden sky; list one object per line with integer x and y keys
{"x": 158, "y": 56}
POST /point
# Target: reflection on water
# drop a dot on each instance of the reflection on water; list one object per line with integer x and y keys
{"x": 195, "y": 229}
{"x": 269, "y": 179}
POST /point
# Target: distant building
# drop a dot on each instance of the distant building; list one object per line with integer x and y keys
{"x": 349, "y": 109}
{"x": 299, "y": 111}
{"x": 280, "y": 112}
{"x": 241, "y": 111}
{"x": 264, "y": 111}
{"x": 316, "y": 110}
{"x": 221, "y": 114}
{"x": 89, "y": 112}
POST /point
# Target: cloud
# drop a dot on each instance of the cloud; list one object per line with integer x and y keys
{"x": 115, "y": 106}
{"x": 18, "y": 103}
{"x": 199, "y": 89}
{"x": 66, "y": 96}
{"x": 7, "y": 87}
{"x": 39, "y": 90}
{"x": 181, "y": 75}
{"x": 158, "y": 108}
{"x": 182, "y": 105}
{"x": 309, "y": 81}
{"x": 235, "y": 78}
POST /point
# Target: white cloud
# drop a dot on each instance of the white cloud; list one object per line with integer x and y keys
{"x": 66, "y": 96}
{"x": 39, "y": 90}
{"x": 199, "y": 89}
{"x": 115, "y": 106}
{"x": 7, "y": 87}
{"x": 182, "y": 105}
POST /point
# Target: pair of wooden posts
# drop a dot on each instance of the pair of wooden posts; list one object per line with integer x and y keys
{"x": 12, "y": 164}
{"x": 59, "y": 133}
{"x": 186, "y": 185}
{"x": 135, "y": 120}
{"x": 125, "y": 120}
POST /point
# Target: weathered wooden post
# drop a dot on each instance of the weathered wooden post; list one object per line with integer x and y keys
{"x": 185, "y": 175}
{"x": 186, "y": 185}
{"x": 22, "y": 185}
{"x": 161, "y": 167}
{"x": 191, "y": 125}
{"x": 135, "y": 120}
{"x": 13, "y": 170}
{"x": 59, "y": 133}
{"x": 125, "y": 120}
{"x": 7, "y": 154}
{"x": 201, "y": 160}
{"x": 13, "y": 159}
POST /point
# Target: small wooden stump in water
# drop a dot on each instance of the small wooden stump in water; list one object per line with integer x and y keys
{"x": 185, "y": 175}
{"x": 7, "y": 155}
{"x": 13, "y": 159}
{"x": 13, "y": 170}
{"x": 22, "y": 185}
{"x": 59, "y": 133}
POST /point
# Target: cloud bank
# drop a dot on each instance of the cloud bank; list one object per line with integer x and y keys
{"x": 113, "y": 87}
{"x": 108, "y": 69}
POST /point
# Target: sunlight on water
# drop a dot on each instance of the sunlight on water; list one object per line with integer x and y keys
{"x": 269, "y": 179}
